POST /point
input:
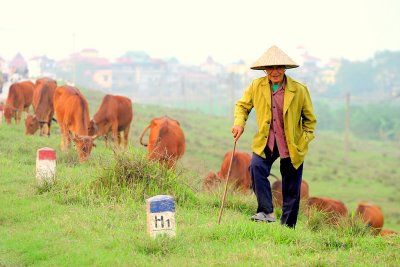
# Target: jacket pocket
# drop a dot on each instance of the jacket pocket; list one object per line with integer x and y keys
{"x": 304, "y": 140}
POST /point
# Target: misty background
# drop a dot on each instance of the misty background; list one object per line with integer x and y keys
{"x": 360, "y": 98}
{"x": 196, "y": 55}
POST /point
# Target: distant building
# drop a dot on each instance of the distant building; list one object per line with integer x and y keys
{"x": 212, "y": 67}
{"x": 83, "y": 69}
{"x": 328, "y": 73}
{"x": 103, "y": 79}
{"x": 41, "y": 66}
{"x": 18, "y": 68}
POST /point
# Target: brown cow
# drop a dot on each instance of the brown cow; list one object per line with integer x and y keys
{"x": 239, "y": 175}
{"x": 114, "y": 115}
{"x": 386, "y": 232}
{"x": 276, "y": 189}
{"x": 334, "y": 209}
{"x": 19, "y": 99}
{"x": 371, "y": 215}
{"x": 72, "y": 113}
{"x": 43, "y": 106}
{"x": 166, "y": 141}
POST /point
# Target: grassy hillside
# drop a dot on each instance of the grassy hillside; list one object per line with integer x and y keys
{"x": 91, "y": 217}
{"x": 367, "y": 171}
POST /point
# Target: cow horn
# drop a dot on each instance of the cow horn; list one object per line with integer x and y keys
{"x": 77, "y": 136}
{"x": 80, "y": 137}
{"x": 94, "y": 137}
{"x": 141, "y": 136}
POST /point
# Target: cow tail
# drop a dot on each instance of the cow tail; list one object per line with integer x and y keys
{"x": 141, "y": 136}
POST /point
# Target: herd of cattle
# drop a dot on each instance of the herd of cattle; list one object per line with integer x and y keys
{"x": 166, "y": 142}
{"x": 114, "y": 116}
{"x": 334, "y": 210}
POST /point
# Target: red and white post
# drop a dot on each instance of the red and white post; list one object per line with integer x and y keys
{"x": 45, "y": 165}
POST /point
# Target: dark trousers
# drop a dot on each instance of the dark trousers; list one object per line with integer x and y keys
{"x": 291, "y": 182}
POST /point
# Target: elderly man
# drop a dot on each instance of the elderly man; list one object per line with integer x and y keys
{"x": 286, "y": 124}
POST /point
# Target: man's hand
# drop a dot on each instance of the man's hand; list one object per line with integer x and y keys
{"x": 237, "y": 131}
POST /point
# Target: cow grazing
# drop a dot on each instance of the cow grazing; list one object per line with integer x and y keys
{"x": 276, "y": 189}
{"x": 239, "y": 175}
{"x": 18, "y": 100}
{"x": 371, "y": 215}
{"x": 334, "y": 209}
{"x": 115, "y": 116}
{"x": 387, "y": 232}
{"x": 211, "y": 180}
{"x": 72, "y": 113}
{"x": 166, "y": 141}
{"x": 31, "y": 124}
{"x": 43, "y": 97}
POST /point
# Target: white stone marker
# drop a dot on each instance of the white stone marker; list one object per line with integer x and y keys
{"x": 45, "y": 165}
{"x": 161, "y": 216}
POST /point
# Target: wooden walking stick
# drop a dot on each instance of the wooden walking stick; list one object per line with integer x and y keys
{"x": 226, "y": 184}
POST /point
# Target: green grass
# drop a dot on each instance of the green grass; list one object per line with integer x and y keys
{"x": 95, "y": 213}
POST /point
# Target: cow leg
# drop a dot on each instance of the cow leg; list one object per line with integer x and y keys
{"x": 49, "y": 120}
{"x": 14, "y": 115}
{"x": 41, "y": 128}
{"x": 18, "y": 115}
{"x": 126, "y": 135}
{"x": 68, "y": 140}
{"x": 65, "y": 139}
{"x": 106, "y": 139}
{"x": 45, "y": 129}
{"x": 115, "y": 135}
{"x": 119, "y": 138}
{"x": 47, "y": 132}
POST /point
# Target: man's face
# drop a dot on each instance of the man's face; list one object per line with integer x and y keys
{"x": 275, "y": 74}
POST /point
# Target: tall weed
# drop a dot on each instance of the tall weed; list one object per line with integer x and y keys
{"x": 130, "y": 175}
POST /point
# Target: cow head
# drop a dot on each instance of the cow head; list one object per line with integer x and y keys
{"x": 92, "y": 128}
{"x": 84, "y": 145}
{"x": 210, "y": 181}
{"x": 31, "y": 124}
{"x": 8, "y": 114}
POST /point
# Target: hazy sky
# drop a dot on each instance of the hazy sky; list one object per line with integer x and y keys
{"x": 228, "y": 30}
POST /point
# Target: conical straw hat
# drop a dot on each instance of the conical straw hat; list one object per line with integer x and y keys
{"x": 274, "y": 57}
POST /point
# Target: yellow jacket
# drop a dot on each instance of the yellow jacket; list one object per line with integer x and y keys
{"x": 298, "y": 115}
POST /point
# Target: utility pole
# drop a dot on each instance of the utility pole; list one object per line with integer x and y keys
{"x": 231, "y": 95}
